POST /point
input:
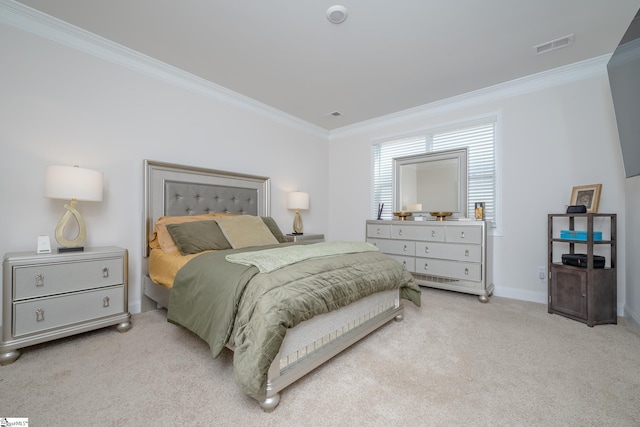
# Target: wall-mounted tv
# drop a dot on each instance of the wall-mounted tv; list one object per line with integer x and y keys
{"x": 624, "y": 78}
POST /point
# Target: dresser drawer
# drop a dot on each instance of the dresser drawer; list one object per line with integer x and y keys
{"x": 452, "y": 251}
{"x": 398, "y": 247}
{"x": 452, "y": 269}
{"x": 379, "y": 230}
{"x": 52, "y": 312}
{"x": 462, "y": 234}
{"x": 408, "y": 262}
{"x": 413, "y": 232}
{"x": 50, "y": 279}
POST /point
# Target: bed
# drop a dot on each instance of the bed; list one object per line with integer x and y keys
{"x": 281, "y": 323}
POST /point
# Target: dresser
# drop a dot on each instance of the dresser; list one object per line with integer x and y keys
{"x": 449, "y": 255}
{"x": 50, "y": 296}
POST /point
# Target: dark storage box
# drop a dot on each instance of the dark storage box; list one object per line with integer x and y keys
{"x": 580, "y": 260}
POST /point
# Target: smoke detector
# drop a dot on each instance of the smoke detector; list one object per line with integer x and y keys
{"x": 337, "y": 14}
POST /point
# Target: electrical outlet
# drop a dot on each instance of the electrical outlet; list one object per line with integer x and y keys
{"x": 542, "y": 273}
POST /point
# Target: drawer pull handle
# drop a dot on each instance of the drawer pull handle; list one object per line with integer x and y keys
{"x": 39, "y": 280}
{"x": 105, "y": 272}
{"x": 400, "y": 232}
{"x": 462, "y": 234}
{"x": 433, "y": 233}
{"x": 426, "y": 249}
{"x": 40, "y": 315}
{"x": 105, "y": 302}
{"x": 466, "y": 271}
{"x": 404, "y": 264}
{"x": 405, "y": 248}
{"x": 426, "y": 266}
{"x": 378, "y": 231}
{"x": 584, "y": 295}
{"x": 466, "y": 252}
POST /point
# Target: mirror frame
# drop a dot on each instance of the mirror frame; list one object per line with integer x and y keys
{"x": 460, "y": 154}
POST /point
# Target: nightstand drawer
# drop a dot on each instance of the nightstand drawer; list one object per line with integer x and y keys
{"x": 51, "y": 279}
{"x": 47, "y": 313}
{"x": 305, "y": 238}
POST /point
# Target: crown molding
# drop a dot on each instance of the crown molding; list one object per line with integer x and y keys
{"x": 33, "y": 21}
{"x": 535, "y": 82}
{"x": 30, "y": 20}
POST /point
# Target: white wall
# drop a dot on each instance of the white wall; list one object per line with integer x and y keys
{"x": 61, "y": 106}
{"x": 555, "y": 131}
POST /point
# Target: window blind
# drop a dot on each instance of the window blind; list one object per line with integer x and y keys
{"x": 383, "y": 155}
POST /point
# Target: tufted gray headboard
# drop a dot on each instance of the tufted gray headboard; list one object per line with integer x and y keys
{"x": 183, "y": 198}
{"x": 171, "y": 189}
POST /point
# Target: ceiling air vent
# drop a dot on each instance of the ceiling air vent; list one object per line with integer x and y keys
{"x": 334, "y": 114}
{"x": 553, "y": 44}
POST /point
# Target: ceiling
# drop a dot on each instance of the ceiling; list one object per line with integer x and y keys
{"x": 385, "y": 58}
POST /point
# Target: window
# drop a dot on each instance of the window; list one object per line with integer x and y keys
{"x": 480, "y": 140}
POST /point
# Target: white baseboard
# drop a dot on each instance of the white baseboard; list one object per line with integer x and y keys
{"x": 632, "y": 318}
{"x": 513, "y": 293}
{"x": 135, "y": 307}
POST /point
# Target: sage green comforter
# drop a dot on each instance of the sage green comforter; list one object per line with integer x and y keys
{"x": 229, "y": 303}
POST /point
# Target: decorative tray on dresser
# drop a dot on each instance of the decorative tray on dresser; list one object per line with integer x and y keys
{"x": 449, "y": 255}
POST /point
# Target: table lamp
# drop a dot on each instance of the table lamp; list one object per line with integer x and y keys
{"x": 72, "y": 183}
{"x": 297, "y": 200}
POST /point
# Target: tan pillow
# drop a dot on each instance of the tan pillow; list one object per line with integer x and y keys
{"x": 163, "y": 236}
{"x": 246, "y": 230}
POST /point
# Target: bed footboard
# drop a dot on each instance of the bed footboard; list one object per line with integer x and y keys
{"x": 312, "y": 343}
{"x": 315, "y": 341}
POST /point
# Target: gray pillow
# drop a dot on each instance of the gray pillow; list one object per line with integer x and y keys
{"x": 273, "y": 227}
{"x": 197, "y": 236}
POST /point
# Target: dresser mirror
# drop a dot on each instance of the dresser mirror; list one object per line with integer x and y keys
{"x": 431, "y": 182}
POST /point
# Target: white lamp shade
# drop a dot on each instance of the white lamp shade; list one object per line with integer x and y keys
{"x": 298, "y": 200}
{"x": 72, "y": 182}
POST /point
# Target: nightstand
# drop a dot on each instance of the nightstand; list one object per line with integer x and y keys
{"x": 50, "y": 296}
{"x": 306, "y": 238}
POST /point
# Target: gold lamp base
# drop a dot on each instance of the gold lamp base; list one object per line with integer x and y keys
{"x": 297, "y": 223}
{"x": 75, "y": 244}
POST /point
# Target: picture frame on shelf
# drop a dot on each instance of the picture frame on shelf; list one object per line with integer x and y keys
{"x": 587, "y": 195}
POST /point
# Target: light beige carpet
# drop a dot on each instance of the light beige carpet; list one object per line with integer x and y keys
{"x": 453, "y": 362}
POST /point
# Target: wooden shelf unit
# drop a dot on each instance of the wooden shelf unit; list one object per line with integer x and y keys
{"x": 585, "y": 294}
